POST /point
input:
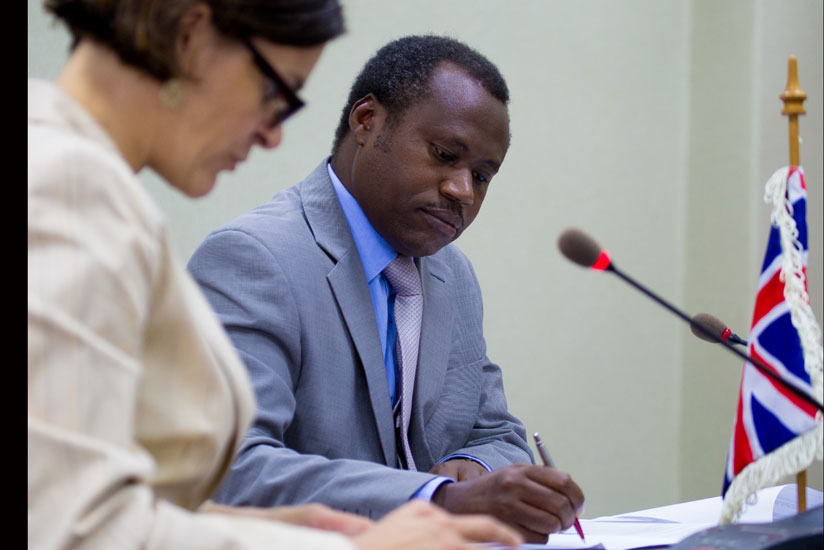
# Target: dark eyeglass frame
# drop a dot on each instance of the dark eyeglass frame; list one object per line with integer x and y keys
{"x": 294, "y": 103}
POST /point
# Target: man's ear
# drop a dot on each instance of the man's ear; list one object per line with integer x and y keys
{"x": 364, "y": 117}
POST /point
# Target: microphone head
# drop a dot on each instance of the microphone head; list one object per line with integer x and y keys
{"x": 713, "y": 324}
{"x": 580, "y": 248}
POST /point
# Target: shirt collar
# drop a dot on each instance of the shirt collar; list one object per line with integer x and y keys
{"x": 375, "y": 252}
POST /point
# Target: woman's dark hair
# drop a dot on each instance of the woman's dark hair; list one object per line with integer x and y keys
{"x": 143, "y": 32}
{"x": 398, "y": 75}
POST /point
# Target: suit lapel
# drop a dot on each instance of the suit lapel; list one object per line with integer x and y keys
{"x": 348, "y": 283}
{"x": 433, "y": 354}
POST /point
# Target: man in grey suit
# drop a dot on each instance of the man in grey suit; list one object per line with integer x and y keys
{"x": 299, "y": 284}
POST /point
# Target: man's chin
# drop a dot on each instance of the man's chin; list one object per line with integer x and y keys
{"x": 423, "y": 248}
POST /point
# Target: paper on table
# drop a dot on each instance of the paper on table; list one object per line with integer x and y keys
{"x": 661, "y": 526}
{"x": 708, "y": 510}
{"x": 665, "y": 525}
{"x": 767, "y": 505}
{"x": 623, "y": 533}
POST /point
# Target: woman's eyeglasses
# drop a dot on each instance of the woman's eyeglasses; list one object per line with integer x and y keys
{"x": 277, "y": 89}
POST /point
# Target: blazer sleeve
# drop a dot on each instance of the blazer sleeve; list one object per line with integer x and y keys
{"x": 498, "y": 438}
{"x": 253, "y": 298}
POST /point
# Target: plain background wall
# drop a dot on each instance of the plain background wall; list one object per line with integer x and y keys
{"x": 653, "y": 126}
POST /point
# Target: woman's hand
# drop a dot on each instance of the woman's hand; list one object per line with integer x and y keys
{"x": 315, "y": 516}
{"x": 419, "y": 525}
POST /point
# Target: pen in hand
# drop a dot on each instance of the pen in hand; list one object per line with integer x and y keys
{"x": 548, "y": 462}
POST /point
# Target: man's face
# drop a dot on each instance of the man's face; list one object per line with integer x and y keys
{"x": 421, "y": 180}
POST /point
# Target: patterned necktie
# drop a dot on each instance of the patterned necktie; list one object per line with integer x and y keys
{"x": 404, "y": 278}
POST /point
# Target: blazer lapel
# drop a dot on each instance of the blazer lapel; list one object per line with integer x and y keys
{"x": 433, "y": 354}
{"x": 348, "y": 283}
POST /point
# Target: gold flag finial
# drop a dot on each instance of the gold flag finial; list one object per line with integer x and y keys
{"x": 793, "y": 97}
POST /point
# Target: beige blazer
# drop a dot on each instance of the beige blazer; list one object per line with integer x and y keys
{"x": 136, "y": 398}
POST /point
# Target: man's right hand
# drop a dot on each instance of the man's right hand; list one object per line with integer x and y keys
{"x": 535, "y": 500}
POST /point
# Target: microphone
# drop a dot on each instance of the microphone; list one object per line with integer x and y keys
{"x": 720, "y": 330}
{"x": 581, "y": 249}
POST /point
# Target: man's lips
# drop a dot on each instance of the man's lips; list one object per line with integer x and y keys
{"x": 446, "y": 216}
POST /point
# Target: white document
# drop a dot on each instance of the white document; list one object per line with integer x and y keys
{"x": 625, "y": 532}
{"x": 667, "y": 525}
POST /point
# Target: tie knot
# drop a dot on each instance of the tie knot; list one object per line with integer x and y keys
{"x": 403, "y": 276}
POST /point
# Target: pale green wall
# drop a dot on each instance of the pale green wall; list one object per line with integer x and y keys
{"x": 653, "y": 125}
{"x": 738, "y": 138}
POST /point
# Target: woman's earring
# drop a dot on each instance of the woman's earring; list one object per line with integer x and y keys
{"x": 171, "y": 93}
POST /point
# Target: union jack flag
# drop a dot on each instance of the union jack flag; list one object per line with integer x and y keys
{"x": 768, "y": 415}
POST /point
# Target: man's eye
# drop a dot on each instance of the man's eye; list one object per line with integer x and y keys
{"x": 442, "y": 154}
{"x": 480, "y": 178}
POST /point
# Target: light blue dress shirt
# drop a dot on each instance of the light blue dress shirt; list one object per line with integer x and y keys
{"x": 376, "y": 254}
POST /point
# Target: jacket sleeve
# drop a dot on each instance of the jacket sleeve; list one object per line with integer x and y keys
{"x": 497, "y": 438}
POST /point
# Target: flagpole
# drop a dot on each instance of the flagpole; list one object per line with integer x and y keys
{"x": 793, "y": 97}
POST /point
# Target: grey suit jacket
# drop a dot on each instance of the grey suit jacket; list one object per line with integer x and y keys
{"x": 288, "y": 285}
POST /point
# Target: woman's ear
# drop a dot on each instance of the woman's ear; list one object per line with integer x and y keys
{"x": 194, "y": 31}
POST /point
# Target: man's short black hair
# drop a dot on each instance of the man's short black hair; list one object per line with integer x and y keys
{"x": 398, "y": 75}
